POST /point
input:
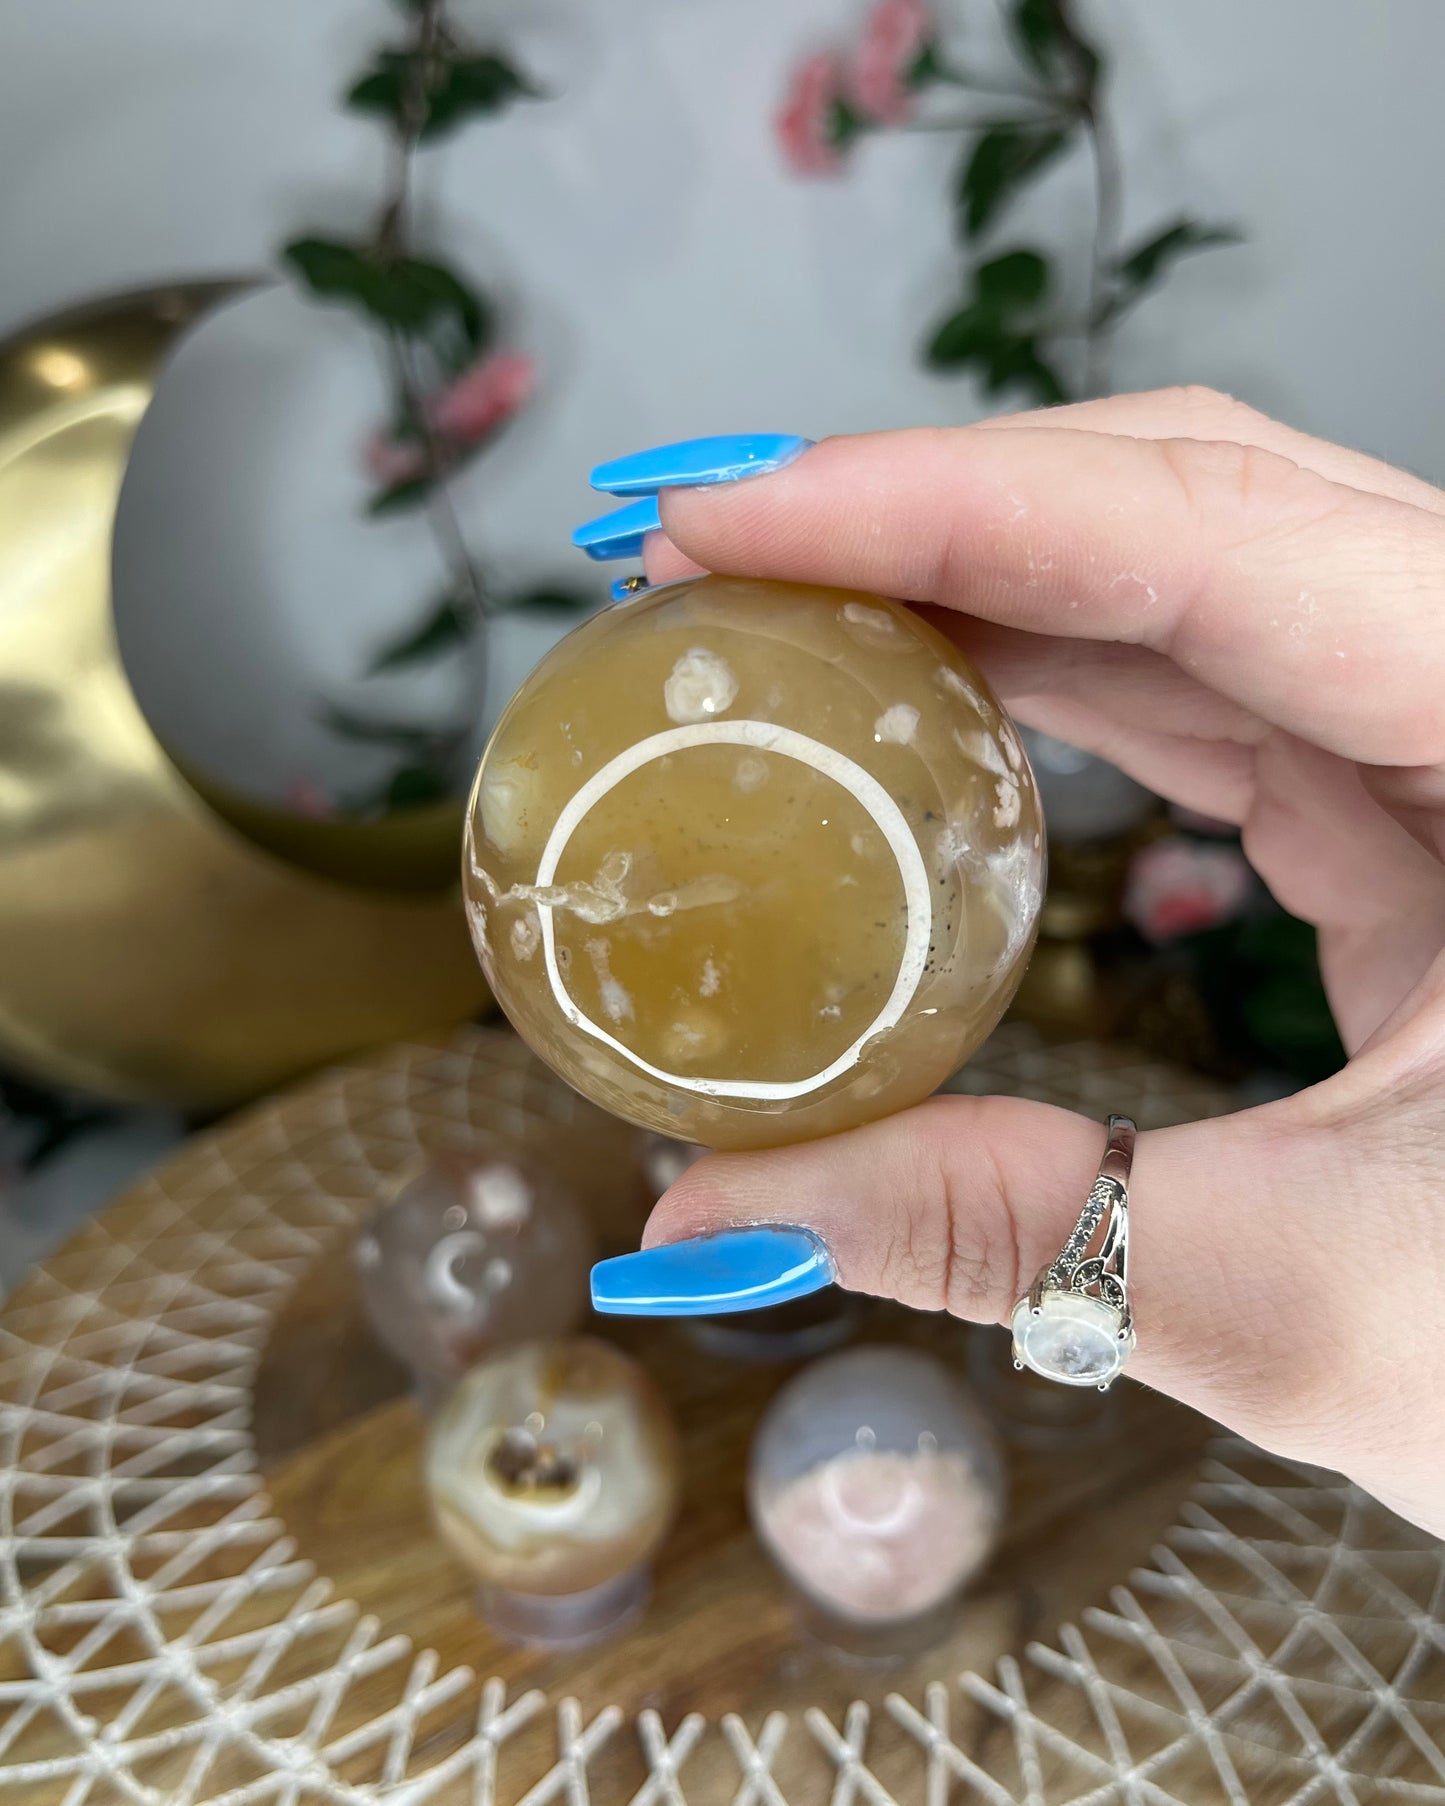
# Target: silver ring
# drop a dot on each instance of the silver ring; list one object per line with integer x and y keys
{"x": 1074, "y": 1324}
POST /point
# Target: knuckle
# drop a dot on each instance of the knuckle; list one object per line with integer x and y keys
{"x": 1199, "y": 400}
{"x": 1212, "y": 414}
{"x": 920, "y": 1251}
{"x": 954, "y": 1247}
{"x": 1266, "y": 494}
{"x": 1191, "y": 463}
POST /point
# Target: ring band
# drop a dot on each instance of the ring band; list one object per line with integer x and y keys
{"x": 1074, "y": 1323}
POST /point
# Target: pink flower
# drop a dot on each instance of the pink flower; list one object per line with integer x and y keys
{"x": 306, "y": 798}
{"x": 804, "y": 126}
{"x": 473, "y": 405}
{"x": 1179, "y": 887}
{"x": 468, "y": 409}
{"x": 391, "y": 461}
{"x": 895, "y": 34}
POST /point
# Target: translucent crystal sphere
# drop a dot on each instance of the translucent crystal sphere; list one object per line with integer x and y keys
{"x": 553, "y": 1472}
{"x": 469, "y": 1256}
{"x": 876, "y": 1486}
{"x": 664, "y": 1161}
{"x": 752, "y": 862}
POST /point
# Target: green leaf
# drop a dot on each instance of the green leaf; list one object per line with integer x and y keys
{"x": 485, "y": 84}
{"x": 1147, "y": 262}
{"x": 423, "y": 293}
{"x": 1052, "y": 44}
{"x": 845, "y": 123}
{"x": 1261, "y": 978}
{"x": 1014, "y": 281}
{"x": 411, "y": 294}
{"x": 1036, "y": 30}
{"x": 967, "y": 337}
{"x": 445, "y": 89}
{"x": 401, "y": 496}
{"x": 926, "y": 67}
{"x": 348, "y": 725}
{"x": 446, "y": 627}
{"x": 430, "y": 770}
{"x": 1001, "y": 162}
{"x": 1001, "y": 357}
{"x": 546, "y": 599}
{"x": 995, "y": 332}
{"x": 330, "y": 268}
{"x": 986, "y": 326}
{"x": 1294, "y": 1026}
{"x": 1019, "y": 364}
{"x": 383, "y": 88}
{"x": 415, "y": 786}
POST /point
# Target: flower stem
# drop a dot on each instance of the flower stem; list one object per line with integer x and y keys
{"x": 446, "y": 528}
{"x": 1108, "y": 207}
{"x": 979, "y": 84}
{"x": 393, "y": 239}
{"x": 1052, "y": 116}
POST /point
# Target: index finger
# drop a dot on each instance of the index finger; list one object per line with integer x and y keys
{"x": 1315, "y": 604}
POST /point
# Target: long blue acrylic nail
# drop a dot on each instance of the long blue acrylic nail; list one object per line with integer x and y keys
{"x": 736, "y": 1270}
{"x": 693, "y": 463}
{"x": 621, "y": 533}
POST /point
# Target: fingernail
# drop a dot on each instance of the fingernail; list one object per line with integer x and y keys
{"x": 736, "y": 1270}
{"x": 691, "y": 463}
{"x": 628, "y": 586}
{"x": 621, "y": 533}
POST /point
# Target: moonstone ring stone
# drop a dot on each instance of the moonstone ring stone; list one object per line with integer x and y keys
{"x": 1074, "y": 1324}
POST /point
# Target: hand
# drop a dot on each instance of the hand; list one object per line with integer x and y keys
{"x": 1252, "y": 623}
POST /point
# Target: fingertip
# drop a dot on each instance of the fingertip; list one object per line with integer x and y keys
{"x": 804, "y": 522}
{"x": 697, "y": 463}
{"x": 620, "y": 533}
{"x": 664, "y": 563}
{"x": 935, "y": 1206}
{"x": 709, "y": 1195}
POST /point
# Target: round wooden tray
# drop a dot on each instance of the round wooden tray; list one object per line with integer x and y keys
{"x": 218, "y": 1581}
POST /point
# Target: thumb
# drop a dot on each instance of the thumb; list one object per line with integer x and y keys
{"x": 957, "y": 1204}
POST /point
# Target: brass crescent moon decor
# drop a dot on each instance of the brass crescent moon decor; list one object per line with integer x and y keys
{"x": 146, "y": 952}
{"x": 221, "y": 1584}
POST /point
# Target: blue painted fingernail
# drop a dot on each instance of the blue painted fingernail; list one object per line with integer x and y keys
{"x": 621, "y": 533}
{"x": 629, "y": 586}
{"x": 736, "y": 1270}
{"x": 692, "y": 463}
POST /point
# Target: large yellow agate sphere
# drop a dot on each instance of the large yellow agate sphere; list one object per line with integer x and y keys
{"x": 751, "y": 862}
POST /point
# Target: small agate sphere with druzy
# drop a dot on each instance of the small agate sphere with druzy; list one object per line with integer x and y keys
{"x": 472, "y": 1253}
{"x": 752, "y": 862}
{"x": 553, "y": 1473}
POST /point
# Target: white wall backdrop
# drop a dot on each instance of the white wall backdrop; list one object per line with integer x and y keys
{"x": 677, "y": 280}
{"x": 668, "y": 273}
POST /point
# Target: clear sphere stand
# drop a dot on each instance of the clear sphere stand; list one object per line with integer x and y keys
{"x": 567, "y": 1620}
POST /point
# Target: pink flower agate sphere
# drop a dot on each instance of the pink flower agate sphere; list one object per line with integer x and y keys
{"x": 877, "y": 1488}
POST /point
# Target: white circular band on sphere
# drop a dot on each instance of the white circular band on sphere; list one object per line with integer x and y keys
{"x": 766, "y": 736}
